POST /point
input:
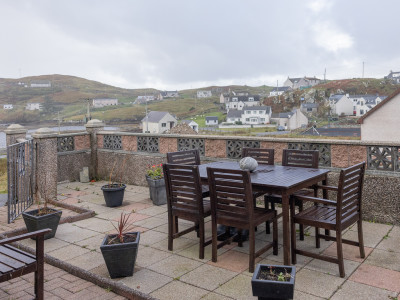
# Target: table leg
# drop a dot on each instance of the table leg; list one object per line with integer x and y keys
{"x": 325, "y": 196}
{"x": 286, "y": 231}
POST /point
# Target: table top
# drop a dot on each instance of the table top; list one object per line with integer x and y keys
{"x": 270, "y": 176}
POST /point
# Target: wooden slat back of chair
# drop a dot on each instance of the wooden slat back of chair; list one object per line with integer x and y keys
{"x": 187, "y": 157}
{"x": 300, "y": 158}
{"x": 261, "y": 155}
{"x": 350, "y": 192}
{"x": 183, "y": 187}
{"x": 230, "y": 193}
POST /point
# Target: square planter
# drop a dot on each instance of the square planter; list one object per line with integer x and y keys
{"x": 120, "y": 258}
{"x": 158, "y": 193}
{"x": 34, "y": 222}
{"x": 113, "y": 194}
{"x": 271, "y": 289}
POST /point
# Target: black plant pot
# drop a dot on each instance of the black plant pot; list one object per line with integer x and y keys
{"x": 34, "y": 222}
{"x": 271, "y": 289}
{"x": 113, "y": 194}
{"x": 158, "y": 193}
{"x": 120, "y": 258}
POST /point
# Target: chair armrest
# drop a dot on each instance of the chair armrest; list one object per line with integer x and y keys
{"x": 327, "y": 187}
{"x": 316, "y": 200}
{"x": 24, "y": 236}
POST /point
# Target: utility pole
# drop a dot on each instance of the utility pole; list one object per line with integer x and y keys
{"x": 363, "y": 70}
{"x": 325, "y": 76}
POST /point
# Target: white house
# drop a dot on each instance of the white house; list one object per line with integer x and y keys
{"x": 211, "y": 121}
{"x": 341, "y": 104}
{"x": 33, "y": 106}
{"x": 279, "y": 91}
{"x": 192, "y": 124}
{"x": 301, "y": 83}
{"x": 394, "y": 77}
{"x": 40, "y": 84}
{"x": 168, "y": 94}
{"x": 253, "y": 115}
{"x": 381, "y": 123}
{"x": 158, "y": 122}
{"x": 290, "y": 120}
{"x": 309, "y": 108}
{"x": 104, "y": 102}
{"x": 223, "y": 98}
{"x": 204, "y": 94}
{"x": 144, "y": 99}
{"x": 8, "y": 106}
{"x": 239, "y": 102}
{"x": 363, "y": 103}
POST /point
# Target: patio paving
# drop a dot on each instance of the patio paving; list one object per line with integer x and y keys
{"x": 180, "y": 274}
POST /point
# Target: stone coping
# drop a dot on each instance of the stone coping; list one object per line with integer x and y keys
{"x": 85, "y": 151}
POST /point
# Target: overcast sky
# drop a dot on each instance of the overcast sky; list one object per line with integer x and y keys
{"x": 193, "y": 43}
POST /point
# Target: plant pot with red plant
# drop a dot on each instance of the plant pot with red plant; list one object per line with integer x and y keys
{"x": 42, "y": 217}
{"x": 273, "y": 282}
{"x": 113, "y": 192}
{"x": 120, "y": 250}
{"x": 155, "y": 180}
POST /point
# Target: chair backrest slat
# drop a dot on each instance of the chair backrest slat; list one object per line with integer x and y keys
{"x": 230, "y": 193}
{"x": 300, "y": 158}
{"x": 261, "y": 155}
{"x": 187, "y": 157}
{"x": 350, "y": 192}
{"x": 183, "y": 187}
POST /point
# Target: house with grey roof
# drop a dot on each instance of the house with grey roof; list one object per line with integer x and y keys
{"x": 192, "y": 124}
{"x": 158, "y": 122}
{"x": 167, "y": 94}
{"x": 290, "y": 120}
{"x": 301, "y": 82}
{"x": 363, "y": 103}
{"x": 393, "y": 77}
{"x": 279, "y": 90}
{"x": 253, "y": 115}
{"x": 239, "y": 102}
{"x": 211, "y": 121}
{"x": 341, "y": 105}
{"x": 309, "y": 108}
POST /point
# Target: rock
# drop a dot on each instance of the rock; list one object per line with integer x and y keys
{"x": 248, "y": 163}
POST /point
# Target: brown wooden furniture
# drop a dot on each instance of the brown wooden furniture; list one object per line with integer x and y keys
{"x": 334, "y": 215}
{"x": 188, "y": 157}
{"x": 232, "y": 205}
{"x": 261, "y": 155}
{"x": 278, "y": 180}
{"x": 15, "y": 262}
{"x": 295, "y": 158}
{"x": 185, "y": 201}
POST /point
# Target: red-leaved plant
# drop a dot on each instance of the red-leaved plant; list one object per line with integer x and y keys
{"x": 124, "y": 226}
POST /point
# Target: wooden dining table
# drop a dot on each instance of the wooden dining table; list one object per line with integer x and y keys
{"x": 276, "y": 179}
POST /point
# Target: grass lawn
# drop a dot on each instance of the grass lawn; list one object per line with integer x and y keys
{"x": 3, "y": 175}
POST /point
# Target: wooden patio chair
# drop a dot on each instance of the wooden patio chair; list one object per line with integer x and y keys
{"x": 15, "y": 262}
{"x": 261, "y": 155}
{"x": 232, "y": 205}
{"x": 334, "y": 215}
{"x": 185, "y": 201}
{"x": 188, "y": 157}
{"x": 295, "y": 158}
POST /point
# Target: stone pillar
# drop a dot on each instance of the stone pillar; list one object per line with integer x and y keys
{"x": 92, "y": 127}
{"x": 14, "y": 132}
{"x": 45, "y": 141}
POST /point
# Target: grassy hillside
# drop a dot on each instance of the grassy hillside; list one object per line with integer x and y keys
{"x": 3, "y": 175}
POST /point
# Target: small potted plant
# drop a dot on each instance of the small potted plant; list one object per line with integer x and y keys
{"x": 273, "y": 282}
{"x": 42, "y": 217}
{"x": 120, "y": 250}
{"x": 155, "y": 180}
{"x": 113, "y": 192}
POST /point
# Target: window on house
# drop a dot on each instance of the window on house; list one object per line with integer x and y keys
{"x": 309, "y": 109}
{"x": 247, "y": 112}
{"x": 262, "y": 119}
{"x": 163, "y": 124}
{"x": 247, "y": 119}
{"x": 260, "y": 112}
{"x": 361, "y": 111}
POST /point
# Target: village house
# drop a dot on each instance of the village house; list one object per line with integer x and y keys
{"x": 290, "y": 120}
{"x": 192, "y": 124}
{"x": 144, "y": 99}
{"x": 167, "y": 94}
{"x": 223, "y": 98}
{"x": 341, "y": 105}
{"x": 364, "y": 103}
{"x": 204, "y": 94}
{"x": 33, "y": 106}
{"x": 381, "y": 123}
{"x": 309, "y": 108}
{"x": 104, "y": 102}
{"x": 158, "y": 122}
{"x": 301, "y": 83}
{"x": 279, "y": 91}
{"x": 211, "y": 121}
{"x": 40, "y": 84}
{"x": 8, "y": 106}
{"x": 253, "y": 115}
{"x": 239, "y": 102}
{"x": 393, "y": 77}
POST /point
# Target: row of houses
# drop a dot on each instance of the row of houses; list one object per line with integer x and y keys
{"x": 353, "y": 105}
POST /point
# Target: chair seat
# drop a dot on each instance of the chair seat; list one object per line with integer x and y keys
{"x": 320, "y": 216}
{"x": 192, "y": 213}
{"x": 15, "y": 263}
{"x": 205, "y": 191}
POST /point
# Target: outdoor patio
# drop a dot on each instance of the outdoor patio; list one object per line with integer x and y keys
{"x": 181, "y": 274}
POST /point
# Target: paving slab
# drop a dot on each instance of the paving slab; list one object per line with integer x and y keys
{"x": 146, "y": 281}
{"x": 238, "y": 287}
{"x": 151, "y": 222}
{"x": 332, "y": 269}
{"x": 147, "y": 256}
{"x": 350, "y": 252}
{"x": 151, "y": 237}
{"x": 390, "y": 242}
{"x": 92, "y": 243}
{"x": 354, "y": 290}
{"x": 71, "y": 233}
{"x": 179, "y": 290}
{"x": 234, "y": 261}
{"x": 215, "y": 296}
{"x": 68, "y": 252}
{"x": 87, "y": 261}
{"x": 385, "y": 259}
{"x": 175, "y": 266}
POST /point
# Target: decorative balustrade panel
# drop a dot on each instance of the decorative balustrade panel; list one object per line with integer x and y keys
{"x": 234, "y": 147}
{"x": 112, "y": 142}
{"x": 324, "y": 151}
{"x": 189, "y": 144}
{"x": 148, "y": 144}
{"x": 383, "y": 158}
{"x": 65, "y": 144}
